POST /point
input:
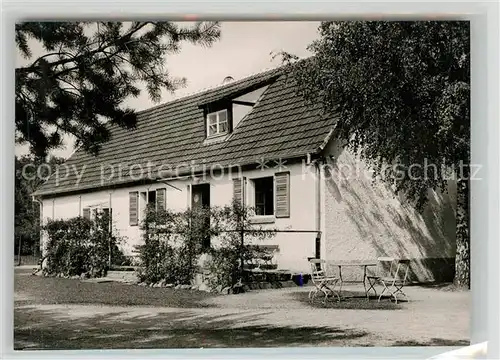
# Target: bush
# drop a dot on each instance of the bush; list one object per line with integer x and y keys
{"x": 118, "y": 258}
{"x": 157, "y": 260}
{"x": 226, "y": 263}
{"x": 224, "y": 267}
{"x": 173, "y": 243}
{"x": 79, "y": 246}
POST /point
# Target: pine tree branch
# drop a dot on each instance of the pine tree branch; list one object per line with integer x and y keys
{"x": 123, "y": 40}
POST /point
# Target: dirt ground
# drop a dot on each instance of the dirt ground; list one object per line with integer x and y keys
{"x": 49, "y": 315}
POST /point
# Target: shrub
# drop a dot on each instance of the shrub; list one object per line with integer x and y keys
{"x": 236, "y": 234}
{"x": 78, "y": 245}
{"x": 172, "y": 245}
{"x": 118, "y": 258}
{"x": 157, "y": 260}
{"x": 174, "y": 241}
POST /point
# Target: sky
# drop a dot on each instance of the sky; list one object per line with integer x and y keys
{"x": 243, "y": 49}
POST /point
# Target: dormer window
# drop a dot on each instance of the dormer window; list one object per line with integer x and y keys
{"x": 217, "y": 123}
{"x": 223, "y": 114}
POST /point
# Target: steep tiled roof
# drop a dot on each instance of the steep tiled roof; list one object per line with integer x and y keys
{"x": 280, "y": 125}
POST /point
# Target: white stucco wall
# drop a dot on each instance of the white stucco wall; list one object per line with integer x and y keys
{"x": 294, "y": 247}
{"x": 363, "y": 220}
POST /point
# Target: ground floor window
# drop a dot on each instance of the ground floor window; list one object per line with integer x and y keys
{"x": 264, "y": 195}
{"x": 152, "y": 197}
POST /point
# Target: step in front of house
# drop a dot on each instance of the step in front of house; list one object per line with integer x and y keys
{"x": 122, "y": 276}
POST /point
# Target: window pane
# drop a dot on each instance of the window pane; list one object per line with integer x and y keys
{"x": 223, "y": 127}
{"x": 212, "y": 119}
{"x": 264, "y": 199}
{"x": 152, "y": 197}
{"x": 222, "y": 116}
{"x": 269, "y": 202}
{"x": 212, "y": 129}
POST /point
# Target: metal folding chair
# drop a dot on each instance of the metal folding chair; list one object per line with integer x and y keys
{"x": 322, "y": 282}
{"x": 394, "y": 282}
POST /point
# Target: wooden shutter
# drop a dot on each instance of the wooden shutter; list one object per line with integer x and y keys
{"x": 133, "y": 208}
{"x": 161, "y": 195}
{"x": 86, "y": 213}
{"x": 239, "y": 190}
{"x": 282, "y": 194}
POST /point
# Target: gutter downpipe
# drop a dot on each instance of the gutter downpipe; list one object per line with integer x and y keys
{"x": 317, "y": 180}
{"x": 318, "y": 211}
{"x": 317, "y": 162}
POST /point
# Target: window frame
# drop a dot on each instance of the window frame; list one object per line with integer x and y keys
{"x": 217, "y": 123}
{"x": 253, "y": 199}
{"x": 144, "y": 199}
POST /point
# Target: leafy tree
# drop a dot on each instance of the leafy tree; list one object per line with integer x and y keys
{"x": 29, "y": 176}
{"x": 79, "y": 84}
{"x": 401, "y": 91}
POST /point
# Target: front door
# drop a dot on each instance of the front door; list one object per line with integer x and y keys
{"x": 200, "y": 198}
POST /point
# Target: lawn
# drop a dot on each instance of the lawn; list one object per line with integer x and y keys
{"x": 40, "y": 290}
{"x": 55, "y": 313}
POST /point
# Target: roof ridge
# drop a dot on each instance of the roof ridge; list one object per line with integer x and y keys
{"x": 209, "y": 89}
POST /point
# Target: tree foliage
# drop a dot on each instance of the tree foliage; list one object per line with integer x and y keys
{"x": 88, "y": 69}
{"x": 401, "y": 93}
{"x": 29, "y": 176}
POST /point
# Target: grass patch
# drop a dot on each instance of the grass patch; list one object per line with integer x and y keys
{"x": 351, "y": 300}
{"x": 44, "y": 290}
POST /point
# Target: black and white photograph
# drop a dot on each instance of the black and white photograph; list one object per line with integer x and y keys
{"x": 242, "y": 184}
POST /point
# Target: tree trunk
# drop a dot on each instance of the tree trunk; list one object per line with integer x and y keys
{"x": 462, "y": 258}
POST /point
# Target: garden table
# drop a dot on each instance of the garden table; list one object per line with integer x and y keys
{"x": 341, "y": 264}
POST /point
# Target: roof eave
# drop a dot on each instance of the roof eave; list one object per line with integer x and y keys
{"x": 182, "y": 174}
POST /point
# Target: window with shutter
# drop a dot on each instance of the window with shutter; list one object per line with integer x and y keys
{"x": 161, "y": 199}
{"x": 239, "y": 190}
{"x": 133, "y": 208}
{"x": 86, "y": 213}
{"x": 264, "y": 196}
{"x": 282, "y": 192}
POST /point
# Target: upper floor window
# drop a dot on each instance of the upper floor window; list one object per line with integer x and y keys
{"x": 223, "y": 114}
{"x": 217, "y": 123}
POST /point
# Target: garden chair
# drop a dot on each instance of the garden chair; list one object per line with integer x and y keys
{"x": 322, "y": 282}
{"x": 393, "y": 281}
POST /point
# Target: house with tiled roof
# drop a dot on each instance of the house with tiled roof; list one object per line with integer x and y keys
{"x": 255, "y": 140}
